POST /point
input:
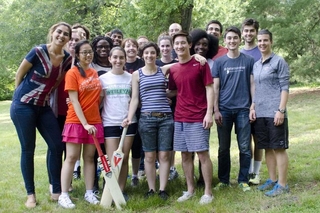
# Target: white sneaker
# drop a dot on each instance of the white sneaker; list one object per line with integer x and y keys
{"x": 185, "y": 196}
{"x": 141, "y": 174}
{"x": 255, "y": 179}
{"x": 65, "y": 202}
{"x": 205, "y": 199}
{"x": 91, "y": 198}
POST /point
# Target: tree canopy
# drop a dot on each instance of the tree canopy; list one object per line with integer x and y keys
{"x": 294, "y": 23}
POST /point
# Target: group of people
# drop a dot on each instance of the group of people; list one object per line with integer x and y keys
{"x": 167, "y": 93}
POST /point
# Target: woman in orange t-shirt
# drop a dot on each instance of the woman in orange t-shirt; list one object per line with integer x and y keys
{"x": 83, "y": 120}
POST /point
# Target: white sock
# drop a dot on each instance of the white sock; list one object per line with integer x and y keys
{"x": 64, "y": 194}
{"x": 76, "y": 165}
{"x": 251, "y": 166}
{"x": 257, "y": 165}
{"x": 89, "y": 191}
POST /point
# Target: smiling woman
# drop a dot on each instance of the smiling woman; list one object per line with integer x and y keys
{"x": 39, "y": 73}
{"x": 101, "y": 46}
{"x": 156, "y": 120}
{"x": 83, "y": 120}
{"x": 116, "y": 86}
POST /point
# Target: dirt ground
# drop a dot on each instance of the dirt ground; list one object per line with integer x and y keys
{"x": 299, "y": 91}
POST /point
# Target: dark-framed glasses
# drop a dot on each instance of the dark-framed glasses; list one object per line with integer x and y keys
{"x": 86, "y": 53}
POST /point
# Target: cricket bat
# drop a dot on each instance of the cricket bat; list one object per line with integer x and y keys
{"x": 116, "y": 164}
{"x": 110, "y": 179}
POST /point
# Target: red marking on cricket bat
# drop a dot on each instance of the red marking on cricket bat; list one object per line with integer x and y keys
{"x": 116, "y": 160}
{"x": 103, "y": 158}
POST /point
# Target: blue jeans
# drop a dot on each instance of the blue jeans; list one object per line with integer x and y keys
{"x": 27, "y": 118}
{"x": 156, "y": 133}
{"x": 243, "y": 130}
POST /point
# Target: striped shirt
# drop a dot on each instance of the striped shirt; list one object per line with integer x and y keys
{"x": 153, "y": 95}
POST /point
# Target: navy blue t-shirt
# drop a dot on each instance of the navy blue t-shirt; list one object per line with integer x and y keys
{"x": 234, "y": 75}
{"x": 39, "y": 81}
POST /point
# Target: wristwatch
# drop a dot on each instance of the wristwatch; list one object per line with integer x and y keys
{"x": 282, "y": 110}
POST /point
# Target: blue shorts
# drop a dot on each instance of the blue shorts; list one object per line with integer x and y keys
{"x": 190, "y": 137}
{"x": 270, "y": 136}
{"x": 116, "y": 131}
{"x": 156, "y": 132}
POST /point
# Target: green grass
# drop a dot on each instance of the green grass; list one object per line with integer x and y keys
{"x": 303, "y": 177}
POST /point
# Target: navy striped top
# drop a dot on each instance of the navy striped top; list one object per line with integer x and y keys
{"x": 153, "y": 95}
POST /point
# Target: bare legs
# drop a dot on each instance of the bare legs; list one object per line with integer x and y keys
{"x": 206, "y": 166}
{"x": 164, "y": 159}
{"x": 72, "y": 156}
{"x": 277, "y": 160}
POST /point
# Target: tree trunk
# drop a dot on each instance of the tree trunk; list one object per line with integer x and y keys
{"x": 186, "y": 15}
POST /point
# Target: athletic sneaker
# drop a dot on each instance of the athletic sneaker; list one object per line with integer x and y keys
{"x": 95, "y": 189}
{"x": 206, "y": 199}
{"x": 244, "y": 186}
{"x": 269, "y": 184}
{"x": 173, "y": 174}
{"x": 221, "y": 186}
{"x": 65, "y": 202}
{"x": 149, "y": 193}
{"x": 126, "y": 196}
{"x": 185, "y": 196}
{"x": 134, "y": 181}
{"x": 157, "y": 165}
{"x": 254, "y": 179}
{"x": 163, "y": 195}
{"x": 277, "y": 190}
{"x": 141, "y": 174}
{"x": 77, "y": 173}
{"x": 91, "y": 198}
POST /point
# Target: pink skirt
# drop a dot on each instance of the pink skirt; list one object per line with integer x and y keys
{"x": 75, "y": 133}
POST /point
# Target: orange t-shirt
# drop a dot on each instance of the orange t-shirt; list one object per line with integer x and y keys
{"x": 88, "y": 89}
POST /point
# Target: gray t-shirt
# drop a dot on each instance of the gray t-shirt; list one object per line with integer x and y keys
{"x": 270, "y": 78}
{"x": 234, "y": 75}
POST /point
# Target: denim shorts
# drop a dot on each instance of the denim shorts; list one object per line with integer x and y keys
{"x": 156, "y": 132}
{"x": 116, "y": 131}
{"x": 191, "y": 137}
{"x": 270, "y": 136}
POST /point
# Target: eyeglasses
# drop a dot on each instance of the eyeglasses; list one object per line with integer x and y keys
{"x": 103, "y": 46}
{"x": 87, "y": 52}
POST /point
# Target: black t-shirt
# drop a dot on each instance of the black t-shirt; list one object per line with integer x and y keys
{"x": 161, "y": 64}
{"x": 131, "y": 67}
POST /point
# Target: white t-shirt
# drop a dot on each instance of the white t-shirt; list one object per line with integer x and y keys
{"x": 117, "y": 95}
{"x": 100, "y": 69}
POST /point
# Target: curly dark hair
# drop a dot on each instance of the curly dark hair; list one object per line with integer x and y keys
{"x": 213, "y": 42}
{"x": 94, "y": 45}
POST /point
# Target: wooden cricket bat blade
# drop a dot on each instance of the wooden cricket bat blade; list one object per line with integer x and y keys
{"x": 116, "y": 164}
{"x": 109, "y": 177}
{"x": 117, "y": 158}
